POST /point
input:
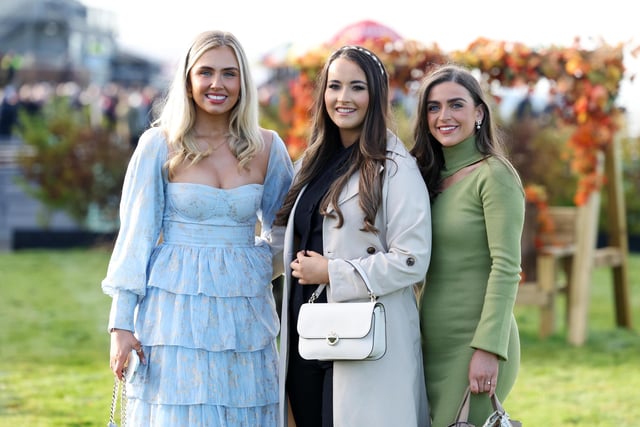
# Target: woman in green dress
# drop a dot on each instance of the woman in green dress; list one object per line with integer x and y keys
{"x": 469, "y": 333}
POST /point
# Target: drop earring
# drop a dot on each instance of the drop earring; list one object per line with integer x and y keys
{"x": 478, "y": 123}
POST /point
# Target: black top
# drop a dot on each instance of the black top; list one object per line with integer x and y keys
{"x": 308, "y": 224}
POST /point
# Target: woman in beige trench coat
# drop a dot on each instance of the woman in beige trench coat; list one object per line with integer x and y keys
{"x": 392, "y": 244}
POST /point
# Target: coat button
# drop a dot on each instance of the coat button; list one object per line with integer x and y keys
{"x": 371, "y": 250}
{"x": 411, "y": 261}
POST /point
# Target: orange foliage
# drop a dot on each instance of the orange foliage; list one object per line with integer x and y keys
{"x": 406, "y": 61}
{"x": 586, "y": 81}
{"x": 301, "y": 91}
{"x": 538, "y": 196}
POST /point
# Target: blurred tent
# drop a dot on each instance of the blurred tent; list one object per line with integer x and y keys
{"x": 277, "y": 56}
{"x": 399, "y": 54}
{"x": 361, "y": 32}
{"x": 287, "y": 93}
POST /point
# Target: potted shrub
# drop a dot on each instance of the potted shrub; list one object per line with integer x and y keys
{"x": 70, "y": 166}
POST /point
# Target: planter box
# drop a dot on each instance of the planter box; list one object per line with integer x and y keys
{"x": 59, "y": 239}
{"x": 563, "y": 236}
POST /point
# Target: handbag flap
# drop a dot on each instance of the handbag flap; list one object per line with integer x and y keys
{"x": 345, "y": 319}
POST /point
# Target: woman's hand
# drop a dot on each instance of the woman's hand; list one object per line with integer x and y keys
{"x": 310, "y": 268}
{"x": 122, "y": 342}
{"x": 483, "y": 372}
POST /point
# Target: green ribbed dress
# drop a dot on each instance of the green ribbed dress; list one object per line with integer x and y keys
{"x": 470, "y": 290}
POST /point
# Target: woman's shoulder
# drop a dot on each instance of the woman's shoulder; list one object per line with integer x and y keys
{"x": 398, "y": 153}
{"x": 500, "y": 166}
{"x": 273, "y": 142}
{"x": 267, "y": 135}
{"x": 501, "y": 171}
{"x": 151, "y": 147}
{"x": 395, "y": 145}
{"x": 152, "y": 140}
{"x": 274, "y": 153}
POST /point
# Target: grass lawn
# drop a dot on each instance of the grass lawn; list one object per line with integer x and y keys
{"x": 54, "y": 350}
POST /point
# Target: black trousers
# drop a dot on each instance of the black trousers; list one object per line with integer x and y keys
{"x": 310, "y": 389}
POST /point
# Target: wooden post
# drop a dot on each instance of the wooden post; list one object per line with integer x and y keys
{"x": 582, "y": 268}
{"x": 573, "y": 248}
{"x": 546, "y": 279}
{"x": 587, "y": 256}
{"x": 618, "y": 234}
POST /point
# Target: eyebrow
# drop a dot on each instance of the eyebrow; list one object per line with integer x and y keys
{"x": 213, "y": 68}
{"x": 351, "y": 82}
{"x": 448, "y": 100}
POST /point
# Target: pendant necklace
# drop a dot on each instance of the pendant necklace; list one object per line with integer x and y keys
{"x": 212, "y": 149}
{"x": 218, "y": 146}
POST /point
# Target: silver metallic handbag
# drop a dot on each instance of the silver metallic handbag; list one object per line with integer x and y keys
{"x": 344, "y": 330}
{"x": 499, "y": 417}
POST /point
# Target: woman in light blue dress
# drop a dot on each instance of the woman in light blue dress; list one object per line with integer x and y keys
{"x": 190, "y": 278}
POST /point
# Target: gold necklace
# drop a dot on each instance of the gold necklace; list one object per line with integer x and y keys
{"x": 224, "y": 141}
{"x": 219, "y": 145}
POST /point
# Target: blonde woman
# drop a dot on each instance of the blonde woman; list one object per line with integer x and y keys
{"x": 190, "y": 281}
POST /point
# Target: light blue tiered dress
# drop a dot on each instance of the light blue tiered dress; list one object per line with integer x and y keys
{"x": 201, "y": 301}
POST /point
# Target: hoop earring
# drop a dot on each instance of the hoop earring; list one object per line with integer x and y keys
{"x": 478, "y": 123}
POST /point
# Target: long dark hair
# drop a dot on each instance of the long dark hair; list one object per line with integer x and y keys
{"x": 427, "y": 150}
{"x": 324, "y": 140}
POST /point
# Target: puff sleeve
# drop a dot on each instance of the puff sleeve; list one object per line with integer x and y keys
{"x": 276, "y": 185}
{"x": 141, "y": 211}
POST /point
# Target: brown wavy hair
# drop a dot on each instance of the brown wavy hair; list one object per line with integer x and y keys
{"x": 370, "y": 153}
{"x": 427, "y": 149}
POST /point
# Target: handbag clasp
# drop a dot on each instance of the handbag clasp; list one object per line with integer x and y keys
{"x": 332, "y": 338}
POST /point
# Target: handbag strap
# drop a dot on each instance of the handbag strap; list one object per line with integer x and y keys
{"x": 463, "y": 409}
{"x": 316, "y": 293}
{"x": 114, "y": 403}
{"x": 362, "y": 274}
{"x": 497, "y": 406}
{"x": 462, "y": 415}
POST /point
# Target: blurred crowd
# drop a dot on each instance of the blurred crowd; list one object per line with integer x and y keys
{"x": 126, "y": 110}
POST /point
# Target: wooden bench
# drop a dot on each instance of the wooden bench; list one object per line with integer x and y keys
{"x": 551, "y": 272}
{"x": 565, "y": 261}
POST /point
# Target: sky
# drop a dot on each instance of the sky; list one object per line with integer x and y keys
{"x": 163, "y": 30}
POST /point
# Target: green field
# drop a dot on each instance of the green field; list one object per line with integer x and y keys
{"x": 54, "y": 350}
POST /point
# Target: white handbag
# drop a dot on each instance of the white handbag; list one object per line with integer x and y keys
{"x": 344, "y": 330}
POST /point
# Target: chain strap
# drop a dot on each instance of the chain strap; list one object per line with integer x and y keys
{"x": 123, "y": 405}
{"x": 372, "y": 297}
{"x": 114, "y": 403}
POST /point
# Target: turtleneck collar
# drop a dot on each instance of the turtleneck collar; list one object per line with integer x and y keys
{"x": 459, "y": 156}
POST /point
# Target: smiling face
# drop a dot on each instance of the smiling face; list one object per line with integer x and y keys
{"x": 451, "y": 113}
{"x": 347, "y": 98}
{"x": 215, "y": 81}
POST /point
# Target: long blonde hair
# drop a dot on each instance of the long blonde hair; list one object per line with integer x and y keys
{"x": 178, "y": 113}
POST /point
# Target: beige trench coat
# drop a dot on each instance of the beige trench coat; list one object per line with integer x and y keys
{"x": 389, "y": 391}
